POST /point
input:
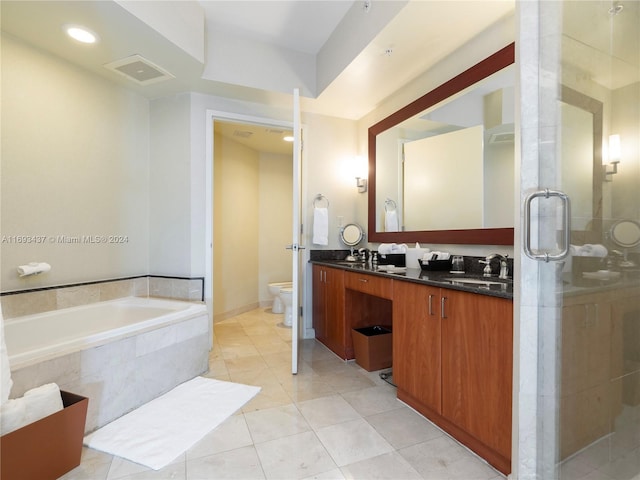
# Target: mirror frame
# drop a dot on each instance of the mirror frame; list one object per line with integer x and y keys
{"x": 595, "y": 107}
{"x": 483, "y": 236}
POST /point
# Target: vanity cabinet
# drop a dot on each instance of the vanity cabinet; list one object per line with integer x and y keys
{"x": 328, "y": 309}
{"x": 416, "y": 343}
{"x": 452, "y": 361}
{"x": 600, "y": 355}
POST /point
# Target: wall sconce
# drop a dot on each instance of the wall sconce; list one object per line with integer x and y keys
{"x": 361, "y": 173}
{"x": 361, "y": 183}
{"x": 611, "y": 168}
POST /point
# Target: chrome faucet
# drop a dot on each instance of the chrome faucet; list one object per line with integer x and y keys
{"x": 504, "y": 266}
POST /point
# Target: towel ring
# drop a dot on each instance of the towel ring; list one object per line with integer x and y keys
{"x": 319, "y": 198}
{"x": 389, "y": 203}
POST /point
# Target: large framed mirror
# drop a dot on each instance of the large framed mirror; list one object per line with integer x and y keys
{"x": 580, "y": 147}
{"x": 445, "y": 161}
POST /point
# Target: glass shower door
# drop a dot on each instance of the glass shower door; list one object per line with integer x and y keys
{"x": 588, "y": 330}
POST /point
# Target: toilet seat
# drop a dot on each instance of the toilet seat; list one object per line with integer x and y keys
{"x": 274, "y": 290}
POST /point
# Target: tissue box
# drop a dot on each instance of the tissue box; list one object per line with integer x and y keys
{"x": 48, "y": 448}
{"x": 435, "y": 265}
{"x": 397, "y": 259}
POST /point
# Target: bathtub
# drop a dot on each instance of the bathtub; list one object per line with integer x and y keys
{"x": 120, "y": 353}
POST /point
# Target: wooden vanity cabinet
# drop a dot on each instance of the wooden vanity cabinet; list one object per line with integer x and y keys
{"x": 328, "y": 309}
{"x": 416, "y": 343}
{"x": 452, "y": 361}
{"x": 477, "y": 369}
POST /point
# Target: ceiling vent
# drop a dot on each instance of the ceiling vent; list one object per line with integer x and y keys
{"x": 242, "y": 133}
{"x": 139, "y": 69}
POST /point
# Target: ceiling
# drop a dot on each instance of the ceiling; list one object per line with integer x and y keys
{"x": 409, "y": 43}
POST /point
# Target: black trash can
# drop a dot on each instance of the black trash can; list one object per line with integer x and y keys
{"x": 373, "y": 347}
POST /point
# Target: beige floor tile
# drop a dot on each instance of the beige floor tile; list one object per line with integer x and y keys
{"x": 242, "y": 463}
{"x": 325, "y": 411}
{"x": 404, "y": 427}
{"x": 391, "y": 466}
{"x": 373, "y": 400}
{"x": 352, "y": 441}
{"x": 271, "y": 395}
{"x": 296, "y": 456}
{"x": 277, "y": 422}
{"x": 232, "y": 434}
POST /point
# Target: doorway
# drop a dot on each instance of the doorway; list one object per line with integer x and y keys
{"x": 252, "y": 210}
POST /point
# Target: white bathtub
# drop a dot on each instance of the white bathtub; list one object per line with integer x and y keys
{"x": 42, "y": 336}
{"x": 120, "y": 353}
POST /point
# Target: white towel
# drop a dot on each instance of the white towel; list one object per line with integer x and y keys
{"x": 42, "y": 401}
{"x": 592, "y": 250}
{"x": 12, "y": 415}
{"x": 321, "y": 226}
{"x": 5, "y": 370}
{"x": 389, "y": 248}
{"x": 391, "y": 221}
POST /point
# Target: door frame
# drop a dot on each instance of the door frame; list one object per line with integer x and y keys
{"x": 219, "y": 115}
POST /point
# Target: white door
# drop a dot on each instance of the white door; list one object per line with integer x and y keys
{"x": 295, "y": 245}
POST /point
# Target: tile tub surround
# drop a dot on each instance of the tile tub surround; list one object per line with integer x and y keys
{"x": 124, "y": 374}
{"x": 18, "y": 304}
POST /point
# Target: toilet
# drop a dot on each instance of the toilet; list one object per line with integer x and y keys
{"x": 274, "y": 290}
{"x": 286, "y": 295}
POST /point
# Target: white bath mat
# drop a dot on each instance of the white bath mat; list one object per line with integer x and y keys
{"x": 156, "y": 433}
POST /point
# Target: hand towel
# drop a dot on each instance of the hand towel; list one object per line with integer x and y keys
{"x": 42, "y": 401}
{"x": 12, "y": 415}
{"x": 391, "y": 221}
{"x": 321, "y": 226}
{"x": 5, "y": 370}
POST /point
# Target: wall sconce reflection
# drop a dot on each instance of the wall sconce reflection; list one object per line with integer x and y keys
{"x": 611, "y": 168}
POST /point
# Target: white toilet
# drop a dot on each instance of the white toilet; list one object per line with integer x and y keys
{"x": 274, "y": 290}
{"x": 286, "y": 294}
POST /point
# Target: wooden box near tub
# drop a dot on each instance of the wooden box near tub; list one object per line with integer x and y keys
{"x": 48, "y": 448}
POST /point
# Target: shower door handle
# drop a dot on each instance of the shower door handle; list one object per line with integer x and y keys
{"x": 566, "y": 225}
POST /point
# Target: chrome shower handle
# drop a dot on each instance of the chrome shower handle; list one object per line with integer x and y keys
{"x": 566, "y": 225}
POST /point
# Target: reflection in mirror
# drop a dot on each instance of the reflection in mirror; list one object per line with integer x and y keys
{"x": 581, "y": 150}
{"x": 446, "y": 160}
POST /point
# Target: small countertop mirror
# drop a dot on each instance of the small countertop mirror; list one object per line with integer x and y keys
{"x": 351, "y": 235}
{"x": 626, "y": 233}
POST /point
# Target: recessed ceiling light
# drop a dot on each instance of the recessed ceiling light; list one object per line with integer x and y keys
{"x": 81, "y": 34}
{"x": 288, "y": 139}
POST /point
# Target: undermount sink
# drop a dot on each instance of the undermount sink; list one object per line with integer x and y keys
{"x": 474, "y": 281}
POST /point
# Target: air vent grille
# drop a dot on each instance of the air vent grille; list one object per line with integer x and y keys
{"x": 139, "y": 69}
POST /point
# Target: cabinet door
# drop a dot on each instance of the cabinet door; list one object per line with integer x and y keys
{"x": 334, "y": 311}
{"x": 319, "y": 303}
{"x": 416, "y": 342}
{"x": 477, "y": 364}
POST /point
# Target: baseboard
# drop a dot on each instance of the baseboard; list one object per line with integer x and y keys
{"x": 218, "y": 317}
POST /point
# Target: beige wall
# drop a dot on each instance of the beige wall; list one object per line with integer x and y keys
{"x": 235, "y": 226}
{"x": 75, "y": 162}
{"x": 275, "y": 217}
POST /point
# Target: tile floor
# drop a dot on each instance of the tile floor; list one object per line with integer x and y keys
{"x": 333, "y": 420}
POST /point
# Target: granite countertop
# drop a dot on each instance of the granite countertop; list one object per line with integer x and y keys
{"x": 497, "y": 288}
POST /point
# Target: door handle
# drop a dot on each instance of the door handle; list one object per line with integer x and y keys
{"x": 430, "y": 305}
{"x": 443, "y": 300}
{"x": 295, "y": 247}
{"x": 566, "y": 225}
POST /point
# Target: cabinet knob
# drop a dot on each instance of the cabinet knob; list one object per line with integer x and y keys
{"x": 363, "y": 280}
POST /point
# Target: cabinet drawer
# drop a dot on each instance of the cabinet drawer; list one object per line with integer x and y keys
{"x": 370, "y": 284}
